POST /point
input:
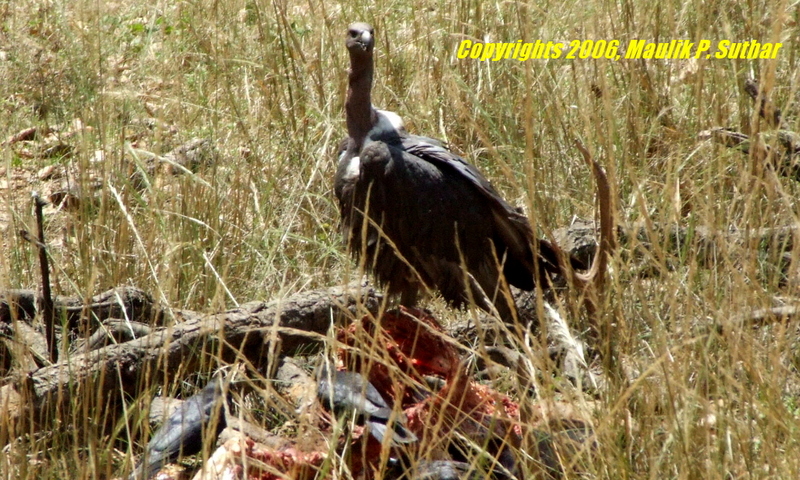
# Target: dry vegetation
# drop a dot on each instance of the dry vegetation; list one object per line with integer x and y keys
{"x": 120, "y": 82}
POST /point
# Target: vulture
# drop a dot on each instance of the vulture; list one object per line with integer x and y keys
{"x": 350, "y": 392}
{"x": 182, "y": 433}
{"x": 420, "y": 217}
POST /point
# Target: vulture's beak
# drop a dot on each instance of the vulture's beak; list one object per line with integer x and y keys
{"x": 363, "y": 40}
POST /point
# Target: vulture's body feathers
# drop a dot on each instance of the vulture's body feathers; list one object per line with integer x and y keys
{"x": 416, "y": 213}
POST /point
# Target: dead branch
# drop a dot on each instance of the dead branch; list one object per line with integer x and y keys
{"x": 590, "y": 285}
{"x": 766, "y": 109}
{"x": 123, "y": 302}
{"x": 595, "y": 278}
{"x": 114, "y": 330}
{"x": 251, "y": 331}
{"x": 48, "y": 312}
{"x": 760, "y": 318}
{"x": 776, "y": 145}
{"x": 780, "y": 147}
{"x": 707, "y": 243}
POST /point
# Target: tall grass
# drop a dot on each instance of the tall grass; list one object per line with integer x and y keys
{"x": 265, "y": 82}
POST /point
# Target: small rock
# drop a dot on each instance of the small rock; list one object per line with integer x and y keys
{"x": 193, "y": 155}
{"x": 66, "y": 200}
{"x": 98, "y": 157}
{"x": 49, "y": 172}
{"x": 22, "y": 136}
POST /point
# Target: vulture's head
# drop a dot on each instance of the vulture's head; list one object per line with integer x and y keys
{"x": 360, "y": 39}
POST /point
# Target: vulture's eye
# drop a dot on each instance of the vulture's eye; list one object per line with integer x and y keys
{"x": 353, "y": 33}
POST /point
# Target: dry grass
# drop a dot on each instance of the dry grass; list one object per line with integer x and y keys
{"x": 265, "y": 82}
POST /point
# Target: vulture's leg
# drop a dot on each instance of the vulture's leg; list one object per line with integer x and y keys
{"x": 507, "y": 313}
{"x": 409, "y": 297}
{"x": 500, "y": 307}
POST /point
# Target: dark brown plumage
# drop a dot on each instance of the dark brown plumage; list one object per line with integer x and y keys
{"x": 415, "y": 212}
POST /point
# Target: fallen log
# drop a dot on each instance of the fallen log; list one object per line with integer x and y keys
{"x": 710, "y": 245}
{"x": 113, "y": 330}
{"x": 760, "y": 318}
{"x": 123, "y": 302}
{"x": 260, "y": 332}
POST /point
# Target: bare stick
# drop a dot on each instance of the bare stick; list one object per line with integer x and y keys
{"x": 48, "y": 312}
{"x": 591, "y": 284}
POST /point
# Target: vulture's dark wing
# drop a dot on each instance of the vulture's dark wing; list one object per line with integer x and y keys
{"x": 438, "y": 155}
{"x": 434, "y": 217}
{"x": 422, "y": 139}
{"x": 509, "y": 223}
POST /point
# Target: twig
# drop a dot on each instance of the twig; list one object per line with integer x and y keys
{"x": 591, "y": 283}
{"x": 760, "y": 318}
{"x": 766, "y": 109}
{"x": 46, "y": 300}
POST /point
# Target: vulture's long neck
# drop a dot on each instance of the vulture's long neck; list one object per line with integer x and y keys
{"x": 360, "y": 115}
